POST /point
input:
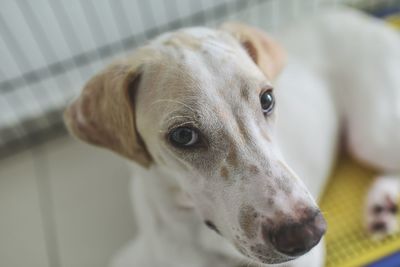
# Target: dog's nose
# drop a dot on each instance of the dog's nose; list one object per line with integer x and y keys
{"x": 295, "y": 239}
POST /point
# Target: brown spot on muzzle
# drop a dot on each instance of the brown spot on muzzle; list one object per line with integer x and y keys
{"x": 224, "y": 172}
{"x": 248, "y": 222}
{"x": 271, "y": 201}
{"x": 253, "y": 169}
{"x": 283, "y": 184}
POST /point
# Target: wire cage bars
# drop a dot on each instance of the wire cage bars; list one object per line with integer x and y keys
{"x": 49, "y": 48}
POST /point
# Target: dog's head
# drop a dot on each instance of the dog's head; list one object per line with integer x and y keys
{"x": 201, "y": 102}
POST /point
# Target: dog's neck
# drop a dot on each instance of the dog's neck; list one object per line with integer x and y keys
{"x": 171, "y": 230}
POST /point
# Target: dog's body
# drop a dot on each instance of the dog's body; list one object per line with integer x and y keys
{"x": 317, "y": 101}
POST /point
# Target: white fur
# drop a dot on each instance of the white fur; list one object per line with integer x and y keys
{"x": 342, "y": 75}
{"x": 384, "y": 193}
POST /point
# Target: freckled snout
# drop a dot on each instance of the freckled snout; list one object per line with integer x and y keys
{"x": 297, "y": 238}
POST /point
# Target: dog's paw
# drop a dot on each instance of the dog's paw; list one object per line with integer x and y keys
{"x": 382, "y": 206}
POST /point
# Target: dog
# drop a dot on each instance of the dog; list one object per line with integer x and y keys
{"x": 233, "y": 135}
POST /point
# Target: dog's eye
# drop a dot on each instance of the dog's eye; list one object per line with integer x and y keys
{"x": 183, "y": 137}
{"x": 267, "y": 101}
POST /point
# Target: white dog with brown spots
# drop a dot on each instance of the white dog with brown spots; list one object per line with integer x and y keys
{"x": 197, "y": 110}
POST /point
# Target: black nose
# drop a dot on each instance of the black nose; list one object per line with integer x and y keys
{"x": 295, "y": 239}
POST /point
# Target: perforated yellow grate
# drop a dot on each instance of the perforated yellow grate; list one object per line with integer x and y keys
{"x": 348, "y": 245}
{"x": 394, "y": 20}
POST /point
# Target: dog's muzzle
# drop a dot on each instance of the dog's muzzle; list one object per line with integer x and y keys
{"x": 296, "y": 238}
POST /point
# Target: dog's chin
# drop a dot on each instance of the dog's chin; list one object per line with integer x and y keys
{"x": 274, "y": 260}
{"x": 262, "y": 254}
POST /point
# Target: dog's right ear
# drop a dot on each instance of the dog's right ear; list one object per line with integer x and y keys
{"x": 267, "y": 53}
{"x": 104, "y": 113}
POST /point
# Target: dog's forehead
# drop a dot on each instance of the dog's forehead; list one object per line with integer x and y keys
{"x": 202, "y": 72}
{"x": 204, "y": 48}
{"x": 201, "y": 60}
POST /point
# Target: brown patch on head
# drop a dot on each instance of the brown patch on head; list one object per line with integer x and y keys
{"x": 244, "y": 92}
{"x": 181, "y": 39}
{"x": 232, "y": 157}
{"x": 248, "y": 222}
{"x": 224, "y": 172}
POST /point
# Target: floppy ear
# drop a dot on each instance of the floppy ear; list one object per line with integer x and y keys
{"x": 104, "y": 113}
{"x": 264, "y": 50}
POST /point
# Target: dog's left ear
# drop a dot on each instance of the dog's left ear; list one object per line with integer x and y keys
{"x": 264, "y": 50}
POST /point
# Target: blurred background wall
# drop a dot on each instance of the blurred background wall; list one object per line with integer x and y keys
{"x": 63, "y": 203}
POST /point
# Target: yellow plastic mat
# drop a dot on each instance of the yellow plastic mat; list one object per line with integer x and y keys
{"x": 348, "y": 245}
{"x": 394, "y": 20}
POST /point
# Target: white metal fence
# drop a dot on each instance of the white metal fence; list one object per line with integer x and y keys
{"x": 49, "y": 48}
